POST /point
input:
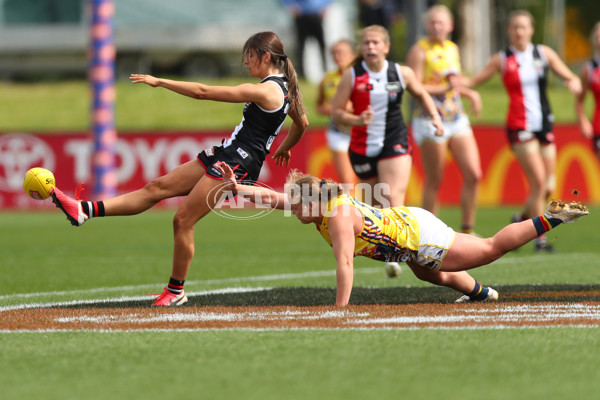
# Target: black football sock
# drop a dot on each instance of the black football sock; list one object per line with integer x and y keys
{"x": 479, "y": 292}
{"x": 175, "y": 286}
{"x": 93, "y": 208}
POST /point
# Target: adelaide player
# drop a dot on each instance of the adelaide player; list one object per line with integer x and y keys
{"x": 408, "y": 234}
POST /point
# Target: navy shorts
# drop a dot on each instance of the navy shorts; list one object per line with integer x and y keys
{"x": 243, "y": 174}
{"x": 365, "y": 167}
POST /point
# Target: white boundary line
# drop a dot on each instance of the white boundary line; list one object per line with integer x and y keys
{"x": 277, "y": 277}
{"x": 124, "y": 299}
{"x": 260, "y": 278}
{"x": 241, "y": 329}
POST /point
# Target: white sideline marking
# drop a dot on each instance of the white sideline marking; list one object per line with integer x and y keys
{"x": 211, "y": 316}
{"x": 261, "y": 278}
{"x": 528, "y": 313}
{"x": 245, "y": 329}
{"x": 496, "y": 318}
{"x": 125, "y": 299}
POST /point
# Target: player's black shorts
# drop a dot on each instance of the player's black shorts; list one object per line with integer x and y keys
{"x": 522, "y": 136}
{"x": 397, "y": 145}
{"x": 246, "y": 171}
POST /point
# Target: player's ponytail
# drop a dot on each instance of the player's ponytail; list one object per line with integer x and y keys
{"x": 293, "y": 88}
{"x": 268, "y": 42}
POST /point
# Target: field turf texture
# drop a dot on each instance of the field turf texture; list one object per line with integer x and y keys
{"x": 44, "y": 259}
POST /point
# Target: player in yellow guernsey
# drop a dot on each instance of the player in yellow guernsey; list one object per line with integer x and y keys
{"x": 389, "y": 234}
{"x": 408, "y": 234}
{"x": 436, "y": 63}
{"x": 441, "y": 63}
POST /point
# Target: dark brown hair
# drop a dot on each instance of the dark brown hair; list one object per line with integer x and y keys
{"x": 268, "y": 42}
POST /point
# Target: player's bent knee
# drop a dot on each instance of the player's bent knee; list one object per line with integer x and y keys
{"x": 182, "y": 221}
{"x": 154, "y": 187}
{"x": 473, "y": 177}
{"x": 157, "y": 190}
{"x": 433, "y": 182}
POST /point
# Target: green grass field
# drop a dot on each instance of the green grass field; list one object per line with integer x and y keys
{"x": 44, "y": 259}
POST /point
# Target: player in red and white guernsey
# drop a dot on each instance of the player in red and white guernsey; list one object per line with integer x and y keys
{"x": 380, "y": 146}
{"x": 590, "y": 80}
{"x": 524, "y": 71}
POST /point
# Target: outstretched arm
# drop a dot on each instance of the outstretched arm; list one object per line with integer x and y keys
{"x": 493, "y": 66}
{"x": 256, "y": 194}
{"x": 557, "y": 65}
{"x": 264, "y": 94}
{"x": 343, "y": 226}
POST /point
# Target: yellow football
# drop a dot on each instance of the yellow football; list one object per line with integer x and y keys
{"x": 38, "y": 183}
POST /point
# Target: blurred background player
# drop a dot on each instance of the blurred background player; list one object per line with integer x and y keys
{"x": 267, "y": 105}
{"x": 523, "y": 67}
{"x": 308, "y": 22}
{"x": 436, "y": 63}
{"x": 338, "y": 135}
{"x": 590, "y": 80}
{"x": 380, "y": 146}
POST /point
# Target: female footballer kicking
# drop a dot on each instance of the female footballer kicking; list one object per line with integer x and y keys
{"x": 267, "y": 104}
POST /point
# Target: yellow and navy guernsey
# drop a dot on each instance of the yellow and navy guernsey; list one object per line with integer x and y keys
{"x": 389, "y": 234}
{"x": 330, "y": 82}
{"x": 441, "y": 61}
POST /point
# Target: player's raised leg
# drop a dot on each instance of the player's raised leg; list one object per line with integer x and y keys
{"x": 178, "y": 182}
{"x": 469, "y": 251}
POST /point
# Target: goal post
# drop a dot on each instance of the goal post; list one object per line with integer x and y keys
{"x": 101, "y": 75}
